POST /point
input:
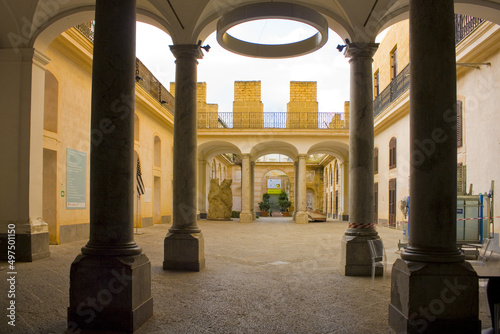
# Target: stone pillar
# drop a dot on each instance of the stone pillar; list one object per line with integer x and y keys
{"x": 295, "y": 190}
{"x": 21, "y": 135}
{"x": 246, "y": 190}
{"x": 301, "y": 216}
{"x": 110, "y": 282}
{"x": 202, "y": 189}
{"x": 433, "y": 289}
{"x": 355, "y": 254}
{"x": 344, "y": 191}
{"x": 184, "y": 246}
{"x": 252, "y": 186}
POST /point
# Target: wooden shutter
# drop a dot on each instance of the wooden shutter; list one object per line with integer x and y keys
{"x": 392, "y": 203}
{"x": 459, "y": 124}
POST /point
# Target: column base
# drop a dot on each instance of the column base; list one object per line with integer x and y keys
{"x": 355, "y": 258}
{"x": 246, "y": 217}
{"x": 434, "y": 298}
{"x": 109, "y": 293}
{"x": 301, "y": 217}
{"x": 29, "y": 246}
{"x": 184, "y": 251}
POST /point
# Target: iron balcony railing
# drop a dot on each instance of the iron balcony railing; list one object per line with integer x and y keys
{"x": 272, "y": 120}
{"x": 143, "y": 75}
{"x": 464, "y": 26}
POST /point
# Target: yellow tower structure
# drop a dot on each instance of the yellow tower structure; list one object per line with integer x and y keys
{"x": 302, "y": 110}
{"x": 248, "y": 109}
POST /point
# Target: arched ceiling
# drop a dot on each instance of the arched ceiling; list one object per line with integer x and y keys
{"x": 210, "y": 149}
{"x": 22, "y": 22}
{"x": 274, "y": 147}
{"x": 334, "y": 148}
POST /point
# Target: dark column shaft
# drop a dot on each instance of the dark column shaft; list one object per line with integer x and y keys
{"x": 433, "y": 140}
{"x": 111, "y": 159}
{"x": 185, "y": 141}
{"x": 361, "y": 139}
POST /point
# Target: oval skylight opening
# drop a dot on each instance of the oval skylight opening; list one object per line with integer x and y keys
{"x": 272, "y": 31}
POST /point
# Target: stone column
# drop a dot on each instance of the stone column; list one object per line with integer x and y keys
{"x": 110, "y": 282}
{"x": 355, "y": 254}
{"x": 202, "y": 189}
{"x": 21, "y": 135}
{"x": 296, "y": 190}
{"x": 246, "y": 190}
{"x": 252, "y": 185}
{"x": 433, "y": 289}
{"x": 301, "y": 216}
{"x": 184, "y": 246}
{"x": 344, "y": 191}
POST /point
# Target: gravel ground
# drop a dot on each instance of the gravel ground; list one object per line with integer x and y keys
{"x": 270, "y": 276}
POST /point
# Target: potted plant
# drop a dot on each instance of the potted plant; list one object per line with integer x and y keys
{"x": 264, "y": 206}
{"x": 284, "y": 203}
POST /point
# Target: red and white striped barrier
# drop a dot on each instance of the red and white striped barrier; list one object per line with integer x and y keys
{"x": 478, "y": 218}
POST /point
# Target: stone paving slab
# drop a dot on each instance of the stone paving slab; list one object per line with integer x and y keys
{"x": 270, "y": 276}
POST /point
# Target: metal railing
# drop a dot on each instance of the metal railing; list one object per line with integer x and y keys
{"x": 143, "y": 75}
{"x": 272, "y": 120}
{"x": 465, "y": 25}
{"x": 397, "y": 87}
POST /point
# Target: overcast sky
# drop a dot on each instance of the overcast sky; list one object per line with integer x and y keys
{"x": 220, "y": 68}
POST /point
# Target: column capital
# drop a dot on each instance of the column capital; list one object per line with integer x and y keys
{"x": 245, "y": 156}
{"x": 302, "y": 156}
{"x": 186, "y": 51}
{"x": 357, "y": 50}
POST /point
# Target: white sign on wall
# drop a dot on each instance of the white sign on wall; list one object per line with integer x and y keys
{"x": 273, "y": 183}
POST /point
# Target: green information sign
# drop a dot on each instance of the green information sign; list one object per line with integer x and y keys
{"x": 274, "y": 191}
{"x": 76, "y": 179}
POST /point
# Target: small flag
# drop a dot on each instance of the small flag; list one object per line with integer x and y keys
{"x": 140, "y": 184}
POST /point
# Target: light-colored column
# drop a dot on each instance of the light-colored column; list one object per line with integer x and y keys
{"x": 252, "y": 184}
{"x": 246, "y": 190}
{"x": 111, "y": 251}
{"x": 202, "y": 188}
{"x": 355, "y": 254}
{"x": 295, "y": 190}
{"x": 184, "y": 246}
{"x": 21, "y": 135}
{"x": 344, "y": 191}
{"x": 433, "y": 289}
{"x": 301, "y": 216}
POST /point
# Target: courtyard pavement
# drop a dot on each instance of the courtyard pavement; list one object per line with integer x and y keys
{"x": 270, "y": 276}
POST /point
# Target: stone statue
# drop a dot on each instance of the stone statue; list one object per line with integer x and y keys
{"x": 220, "y": 200}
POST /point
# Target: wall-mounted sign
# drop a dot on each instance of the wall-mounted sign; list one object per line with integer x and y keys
{"x": 76, "y": 179}
{"x": 273, "y": 191}
{"x": 273, "y": 183}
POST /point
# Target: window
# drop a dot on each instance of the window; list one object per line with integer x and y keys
{"x": 459, "y": 124}
{"x": 375, "y": 203}
{"x": 392, "y": 153}
{"x": 337, "y": 173}
{"x": 375, "y": 160}
{"x": 392, "y": 203}
{"x": 376, "y": 84}
{"x": 394, "y": 63}
{"x": 157, "y": 151}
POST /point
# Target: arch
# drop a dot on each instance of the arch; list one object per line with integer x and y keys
{"x": 51, "y": 102}
{"x": 274, "y": 147}
{"x": 334, "y": 148}
{"x": 210, "y": 149}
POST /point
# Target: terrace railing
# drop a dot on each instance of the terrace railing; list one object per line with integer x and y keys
{"x": 272, "y": 120}
{"x": 464, "y": 26}
{"x": 143, "y": 76}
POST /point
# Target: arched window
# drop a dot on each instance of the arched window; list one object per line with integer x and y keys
{"x": 51, "y": 102}
{"x": 157, "y": 151}
{"x": 375, "y": 160}
{"x": 392, "y": 153}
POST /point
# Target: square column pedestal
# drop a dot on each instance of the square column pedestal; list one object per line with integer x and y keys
{"x": 184, "y": 251}
{"x": 355, "y": 258}
{"x": 434, "y": 298}
{"x": 109, "y": 293}
{"x": 301, "y": 218}
{"x": 246, "y": 217}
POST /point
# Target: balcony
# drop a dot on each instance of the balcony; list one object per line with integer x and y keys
{"x": 272, "y": 120}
